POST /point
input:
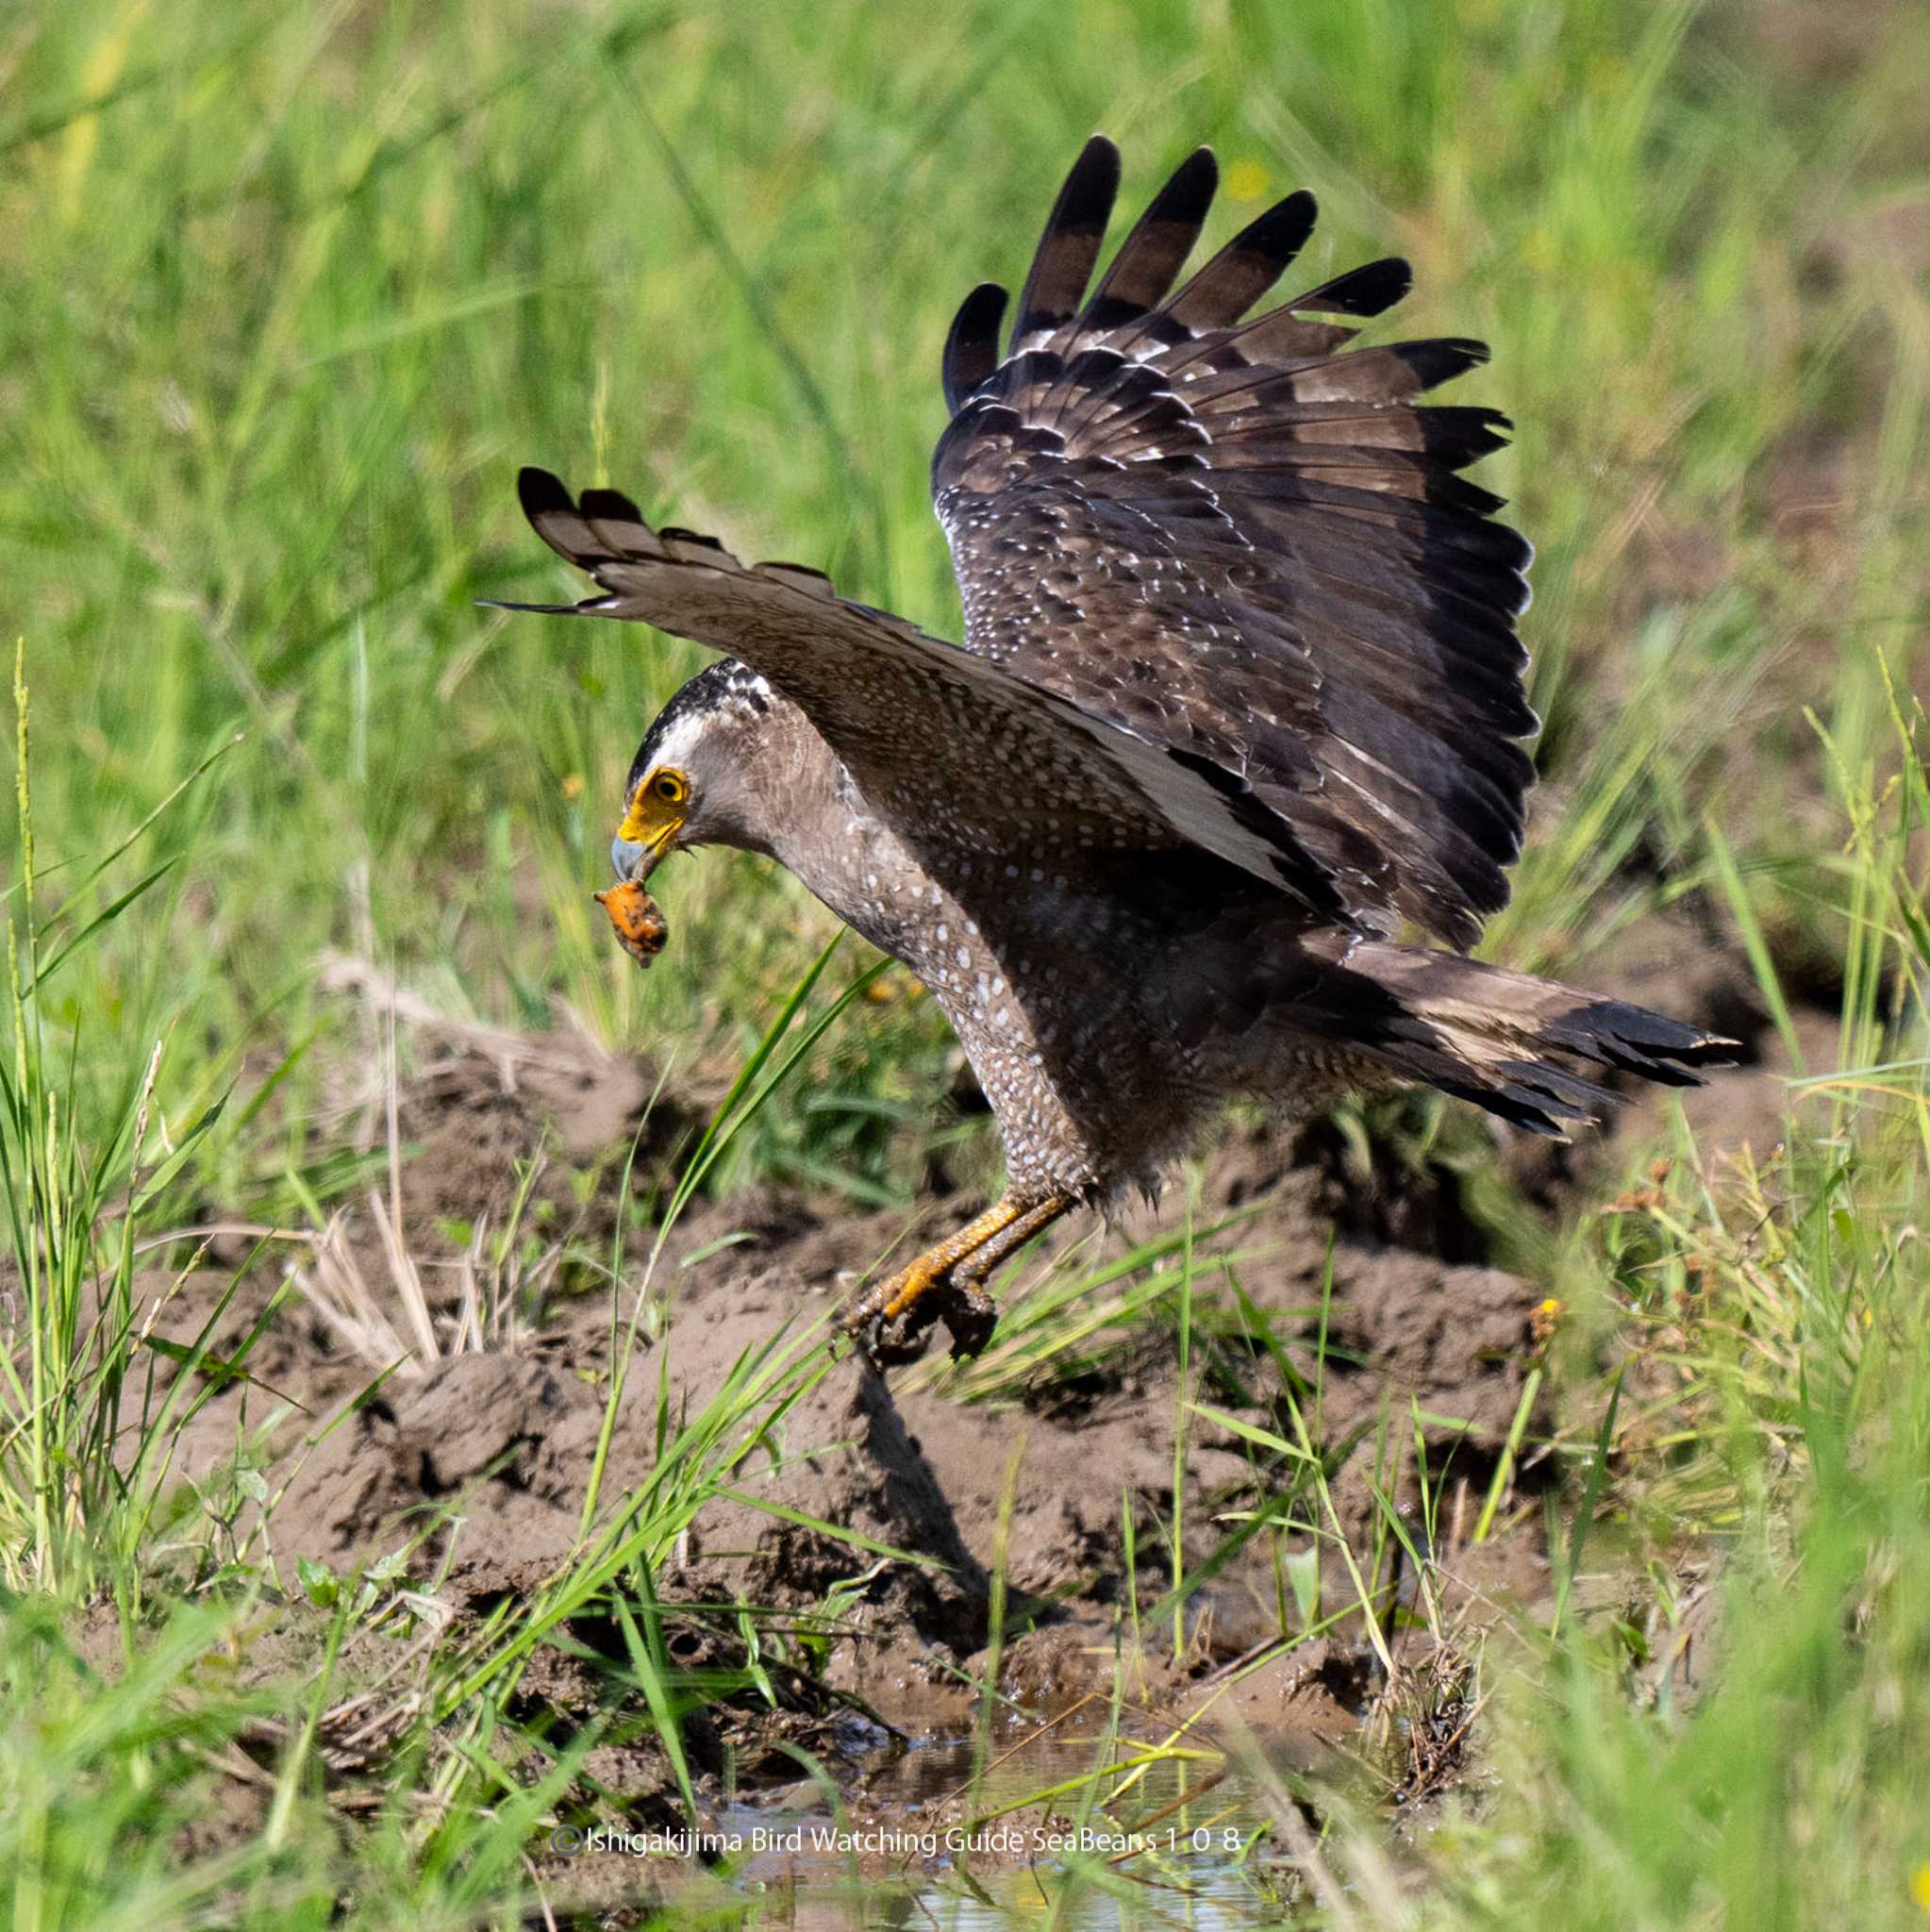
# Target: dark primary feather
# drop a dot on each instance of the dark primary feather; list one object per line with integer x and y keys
{"x": 1073, "y": 233}
{"x": 1246, "y": 268}
{"x": 1142, "y": 272}
{"x": 972, "y": 349}
{"x": 1247, "y": 541}
{"x": 1366, "y": 291}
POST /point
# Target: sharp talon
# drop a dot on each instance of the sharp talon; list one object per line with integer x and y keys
{"x": 888, "y": 1346}
{"x": 867, "y": 1315}
{"x": 930, "y": 1289}
{"x": 971, "y": 1317}
{"x": 867, "y": 1322}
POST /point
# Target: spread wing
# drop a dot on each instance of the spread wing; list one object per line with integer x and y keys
{"x": 959, "y": 755}
{"x": 1247, "y": 542}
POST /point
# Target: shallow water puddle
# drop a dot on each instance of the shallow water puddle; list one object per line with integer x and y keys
{"x": 1166, "y": 1834}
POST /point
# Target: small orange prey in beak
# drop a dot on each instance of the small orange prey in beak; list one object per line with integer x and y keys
{"x": 640, "y": 926}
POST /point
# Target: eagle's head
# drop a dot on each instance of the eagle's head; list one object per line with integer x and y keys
{"x": 702, "y": 775}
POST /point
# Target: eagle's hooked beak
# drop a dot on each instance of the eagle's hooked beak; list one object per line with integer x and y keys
{"x": 648, "y": 831}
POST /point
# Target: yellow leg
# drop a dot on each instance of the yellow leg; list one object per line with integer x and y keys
{"x": 968, "y": 1256}
{"x": 977, "y": 1266}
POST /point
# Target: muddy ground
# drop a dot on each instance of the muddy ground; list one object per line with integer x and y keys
{"x": 482, "y": 1457}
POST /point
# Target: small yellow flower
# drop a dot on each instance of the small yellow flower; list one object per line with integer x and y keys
{"x": 1246, "y": 181}
{"x": 573, "y": 787}
{"x": 1920, "y": 1887}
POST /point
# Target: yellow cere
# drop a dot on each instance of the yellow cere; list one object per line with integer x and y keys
{"x": 656, "y": 810}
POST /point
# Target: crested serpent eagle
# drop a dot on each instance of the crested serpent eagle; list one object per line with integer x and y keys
{"x": 1239, "y": 702}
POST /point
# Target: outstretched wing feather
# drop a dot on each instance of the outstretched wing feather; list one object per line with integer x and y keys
{"x": 1246, "y": 540}
{"x": 942, "y": 741}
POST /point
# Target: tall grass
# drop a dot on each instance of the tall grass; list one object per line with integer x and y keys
{"x": 1733, "y": 1732}
{"x": 79, "y": 1481}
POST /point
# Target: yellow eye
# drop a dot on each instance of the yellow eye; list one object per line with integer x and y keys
{"x": 670, "y": 786}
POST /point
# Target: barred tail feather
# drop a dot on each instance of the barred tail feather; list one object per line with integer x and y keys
{"x": 1509, "y": 1043}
